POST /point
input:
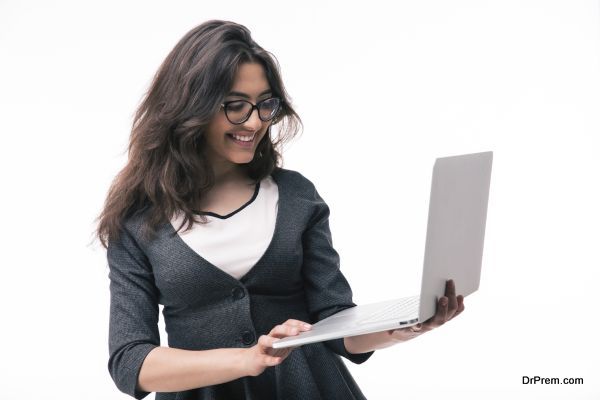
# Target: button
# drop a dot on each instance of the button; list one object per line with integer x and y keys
{"x": 238, "y": 293}
{"x": 247, "y": 337}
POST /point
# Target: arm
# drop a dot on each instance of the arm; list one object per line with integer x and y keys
{"x": 327, "y": 290}
{"x": 448, "y": 307}
{"x": 369, "y": 342}
{"x": 172, "y": 370}
{"x": 167, "y": 369}
{"x": 138, "y": 364}
{"x": 133, "y": 325}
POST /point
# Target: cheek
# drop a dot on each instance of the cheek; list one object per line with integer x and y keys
{"x": 221, "y": 124}
{"x": 216, "y": 130}
{"x": 265, "y": 130}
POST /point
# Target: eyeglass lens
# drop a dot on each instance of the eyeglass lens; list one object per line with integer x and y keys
{"x": 239, "y": 111}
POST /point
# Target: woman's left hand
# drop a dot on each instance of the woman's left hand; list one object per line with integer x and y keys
{"x": 449, "y": 306}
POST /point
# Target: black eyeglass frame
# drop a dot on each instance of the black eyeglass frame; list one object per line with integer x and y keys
{"x": 253, "y": 107}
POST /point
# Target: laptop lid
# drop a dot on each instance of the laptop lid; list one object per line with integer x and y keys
{"x": 453, "y": 249}
{"x": 455, "y": 227}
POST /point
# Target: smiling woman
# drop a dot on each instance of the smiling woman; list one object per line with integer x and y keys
{"x": 255, "y": 261}
{"x": 179, "y": 149}
{"x": 229, "y": 144}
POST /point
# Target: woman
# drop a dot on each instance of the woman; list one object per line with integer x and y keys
{"x": 203, "y": 220}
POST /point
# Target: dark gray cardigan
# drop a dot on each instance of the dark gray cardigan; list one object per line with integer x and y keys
{"x": 206, "y": 308}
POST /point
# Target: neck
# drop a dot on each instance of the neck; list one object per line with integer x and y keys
{"x": 228, "y": 173}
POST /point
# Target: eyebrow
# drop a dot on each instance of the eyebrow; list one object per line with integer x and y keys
{"x": 244, "y": 95}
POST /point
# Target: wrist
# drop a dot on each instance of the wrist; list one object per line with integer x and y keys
{"x": 369, "y": 342}
{"x": 242, "y": 362}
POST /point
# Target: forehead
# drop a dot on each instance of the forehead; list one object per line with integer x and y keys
{"x": 251, "y": 79}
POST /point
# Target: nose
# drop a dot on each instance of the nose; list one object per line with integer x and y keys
{"x": 254, "y": 121}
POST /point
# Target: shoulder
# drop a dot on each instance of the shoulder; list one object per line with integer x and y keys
{"x": 293, "y": 180}
{"x": 134, "y": 220}
{"x": 133, "y": 227}
{"x": 301, "y": 195}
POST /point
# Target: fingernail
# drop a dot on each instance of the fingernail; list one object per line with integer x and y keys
{"x": 307, "y": 326}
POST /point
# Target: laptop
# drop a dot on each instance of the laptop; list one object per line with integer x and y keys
{"x": 453, "y": 250}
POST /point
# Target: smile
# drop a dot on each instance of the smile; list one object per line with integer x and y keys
{"x": 242, "y": 140}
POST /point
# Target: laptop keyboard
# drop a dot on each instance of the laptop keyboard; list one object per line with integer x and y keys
{"x": 407, "y": 306}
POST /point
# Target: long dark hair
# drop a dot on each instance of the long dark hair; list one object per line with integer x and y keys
{"x": 166, "y": 171}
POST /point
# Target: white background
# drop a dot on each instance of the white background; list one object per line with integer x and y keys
{"x": 383, "y": 88}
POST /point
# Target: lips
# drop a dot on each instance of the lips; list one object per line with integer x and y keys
{"x": 242, "y": 140}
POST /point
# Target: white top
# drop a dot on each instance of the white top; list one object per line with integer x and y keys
{"x": 236, "y": 242}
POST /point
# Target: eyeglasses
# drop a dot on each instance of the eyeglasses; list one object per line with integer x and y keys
{"x": 239, "y": 111}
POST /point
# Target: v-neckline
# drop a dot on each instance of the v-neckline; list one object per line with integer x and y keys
{"x": 232, "y": 213}
{"x": 219, "y": 271}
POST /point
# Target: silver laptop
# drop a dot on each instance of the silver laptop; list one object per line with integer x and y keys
{"x": 453, "y": 250}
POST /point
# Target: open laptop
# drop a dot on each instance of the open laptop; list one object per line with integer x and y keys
{"x": 453, "y": 250}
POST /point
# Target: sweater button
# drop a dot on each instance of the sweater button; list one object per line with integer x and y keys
{"x": 238, "y": 293}
{"x": 247, "y": 337}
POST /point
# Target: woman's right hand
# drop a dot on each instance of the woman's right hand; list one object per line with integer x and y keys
{"x": 263, "y": 355}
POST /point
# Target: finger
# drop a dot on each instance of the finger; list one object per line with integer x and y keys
{"x": 440, "y": 315}
{"x": 461, "y": 305}
{"x": 298, "y": 324}
{"x": 272, "y": 361}
{"x": 452, "y": 301}
{"x": 441, "y": 312}
{"x": 405, "y": 334}
{"x": 283, "y": 353}
{"x": 266, "y": 341}
{"x": 281, "y": 331}
{"x": 450, "y": 288}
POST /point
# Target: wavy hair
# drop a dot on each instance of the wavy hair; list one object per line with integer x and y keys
{"x": 166, "y": 171}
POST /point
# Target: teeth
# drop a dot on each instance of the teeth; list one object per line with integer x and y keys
{"x": 244, "y": 138}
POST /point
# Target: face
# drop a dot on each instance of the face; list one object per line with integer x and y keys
{"x": 227, "y": 144}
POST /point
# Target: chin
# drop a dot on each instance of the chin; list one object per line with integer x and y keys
{"x": 242, "y": 159}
